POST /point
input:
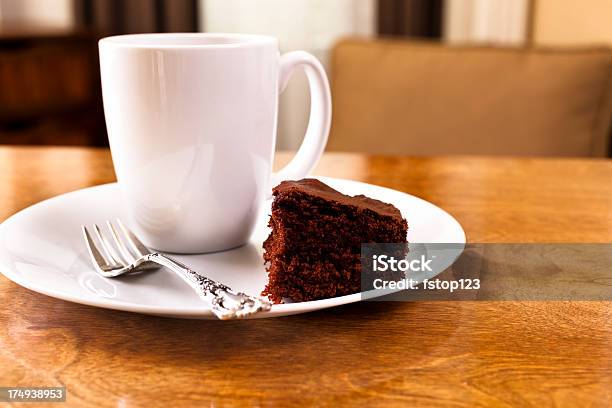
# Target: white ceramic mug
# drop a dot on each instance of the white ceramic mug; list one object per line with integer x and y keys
{"x": 191, "y": 120}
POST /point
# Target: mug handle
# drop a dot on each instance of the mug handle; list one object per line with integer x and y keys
{"x": 319, "y": 123}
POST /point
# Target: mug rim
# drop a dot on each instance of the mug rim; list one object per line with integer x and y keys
{"x": 147, "y": 40}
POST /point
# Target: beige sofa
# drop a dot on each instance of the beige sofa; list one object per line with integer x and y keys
{"x": 411, "y": 98}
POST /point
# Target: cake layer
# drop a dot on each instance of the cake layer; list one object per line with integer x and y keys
{"x": 314, "y": 249}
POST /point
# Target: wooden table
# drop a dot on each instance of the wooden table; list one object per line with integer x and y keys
{"x": 420, "y": 354}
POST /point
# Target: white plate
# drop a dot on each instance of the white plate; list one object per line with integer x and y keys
{"x": 42, "y": 249}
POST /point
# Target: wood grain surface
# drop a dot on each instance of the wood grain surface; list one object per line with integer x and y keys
{"x": 461, "y": 354}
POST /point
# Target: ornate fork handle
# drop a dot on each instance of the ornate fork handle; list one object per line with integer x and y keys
{"x": 226, "y": 304}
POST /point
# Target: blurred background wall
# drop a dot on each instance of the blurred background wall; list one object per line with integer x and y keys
{"x": 503, "y": 22}
{"x": 49, "y": 85}
{"x": 310, "y": 25}
{"x": 55, "y": 13}
{"x": 570, "y": 22}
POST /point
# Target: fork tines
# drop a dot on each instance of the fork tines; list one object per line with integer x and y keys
{"x": 117, "y": 253}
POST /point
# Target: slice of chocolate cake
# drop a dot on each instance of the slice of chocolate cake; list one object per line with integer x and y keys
{"x": 314, "y": 249}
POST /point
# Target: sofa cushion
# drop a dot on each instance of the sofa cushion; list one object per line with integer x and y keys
{"x": 411, "y": 98}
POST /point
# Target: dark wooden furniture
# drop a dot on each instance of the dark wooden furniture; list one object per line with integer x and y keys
{"x": 50, "y": 87}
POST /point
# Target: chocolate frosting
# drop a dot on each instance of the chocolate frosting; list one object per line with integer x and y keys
{"x": 317, "y": 188}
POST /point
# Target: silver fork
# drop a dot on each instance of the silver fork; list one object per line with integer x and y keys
{"x": 129, "y": 255}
